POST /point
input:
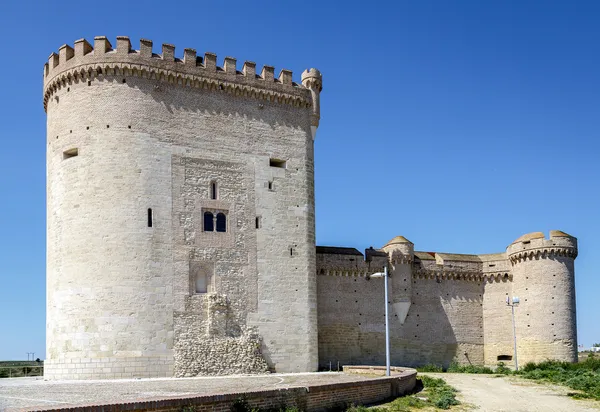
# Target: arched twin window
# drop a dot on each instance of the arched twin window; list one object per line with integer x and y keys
{"x": 210, "y": 221}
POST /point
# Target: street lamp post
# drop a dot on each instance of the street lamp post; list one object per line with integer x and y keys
{"x": 384, "y": 275}
{"x": 515, "y": 302}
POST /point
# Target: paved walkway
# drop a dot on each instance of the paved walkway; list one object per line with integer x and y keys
{"x": 512, "y": 394}
{"x": 35, "y": 392}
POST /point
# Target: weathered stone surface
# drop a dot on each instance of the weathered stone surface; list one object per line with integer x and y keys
{"x": 457, "y": 304}
{"x": 152, "y": 134}
{"x": 209, "y": 340}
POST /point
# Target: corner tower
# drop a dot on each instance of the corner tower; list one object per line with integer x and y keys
{"x": 544, "y": 280}
{"x": 180, "y": 205}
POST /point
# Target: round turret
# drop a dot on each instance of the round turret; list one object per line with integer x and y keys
{"x": 313, "y": 80}
{"x": 543, "y": 279}
{"x": 401, "y": 252}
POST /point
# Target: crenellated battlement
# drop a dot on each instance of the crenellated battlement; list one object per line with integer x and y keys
{"x": 84, "y": 62}
{"x": 536, "y": 246}
{"x": 473, "y": 276}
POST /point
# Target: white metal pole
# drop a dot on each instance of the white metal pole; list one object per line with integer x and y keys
{"x": 514, "y": 335}
{"x": 387, "y": 324}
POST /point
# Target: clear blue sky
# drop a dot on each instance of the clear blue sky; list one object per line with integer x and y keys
{"x": 460, "y": 125}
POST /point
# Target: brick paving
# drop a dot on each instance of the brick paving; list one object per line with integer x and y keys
{"x": 28, "y": 393}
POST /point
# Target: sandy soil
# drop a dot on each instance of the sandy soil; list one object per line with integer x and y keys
{"x": 512, "y": 394}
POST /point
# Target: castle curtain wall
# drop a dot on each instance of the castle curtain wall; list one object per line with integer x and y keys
{"x": 457, "y": 304}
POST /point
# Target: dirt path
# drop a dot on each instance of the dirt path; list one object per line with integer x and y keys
{"x": 497, "y": 394}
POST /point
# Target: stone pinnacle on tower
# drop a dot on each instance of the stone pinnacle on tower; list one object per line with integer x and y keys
{"x": 313, "y": 80}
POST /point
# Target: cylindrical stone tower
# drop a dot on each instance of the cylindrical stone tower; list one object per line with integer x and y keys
{"x": 401, "y": 252}
{"x": 169, "y": 181}
{"x": 543, "y": 280}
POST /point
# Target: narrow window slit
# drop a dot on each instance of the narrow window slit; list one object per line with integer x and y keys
{"x": 67, "y": 154}
{"x": 213, "y": 190}
{"x": 150, "y": 217}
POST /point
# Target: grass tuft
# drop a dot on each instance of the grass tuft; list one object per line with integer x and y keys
{"x": 456, "y": 368}
{"x": 430, "y": 368}
{"x": 436, "y": 393}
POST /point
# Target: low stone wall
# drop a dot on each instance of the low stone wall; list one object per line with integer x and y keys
{"x": 312, "y": 398}
{"x": 378, "y": 370}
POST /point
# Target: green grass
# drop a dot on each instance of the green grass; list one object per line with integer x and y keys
{"x": 430, "y": 368}
{"x": 584, "y": 377}
{"x": 436, "y": 394}
{"x": 456, "y": 368}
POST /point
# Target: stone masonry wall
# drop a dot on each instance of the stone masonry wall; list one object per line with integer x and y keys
{"x": 122, "y": 141}
{"x": 457, "y": 304}
{"x": 497, "y": 320}
{"x": 210, "y": 341}
{"x": 444, "y": 322}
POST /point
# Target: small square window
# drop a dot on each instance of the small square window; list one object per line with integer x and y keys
{"x": 278, "y": 163}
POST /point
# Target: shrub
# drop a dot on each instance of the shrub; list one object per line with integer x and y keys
{"x": 429, "y": 382}
{"x": 436, "y": 393}
{"x": 242, "y": 405}
{"x": 444, "y": 399}
{"x": 456, "y": 368}
{"x": 583, "y": 376}
{"x": 501, "y": 368}
{"x": 430, "y": 368}
{"x": 441, "y": 395}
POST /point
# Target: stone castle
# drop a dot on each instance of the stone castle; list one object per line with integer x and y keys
{"x": 181, "y": 236}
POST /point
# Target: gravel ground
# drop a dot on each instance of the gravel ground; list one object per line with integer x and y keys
{"x": 513, "y": 394}
{"x": 35, "y": 392}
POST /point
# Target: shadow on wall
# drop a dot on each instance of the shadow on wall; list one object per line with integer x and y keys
{"x": 444, "y": 323}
